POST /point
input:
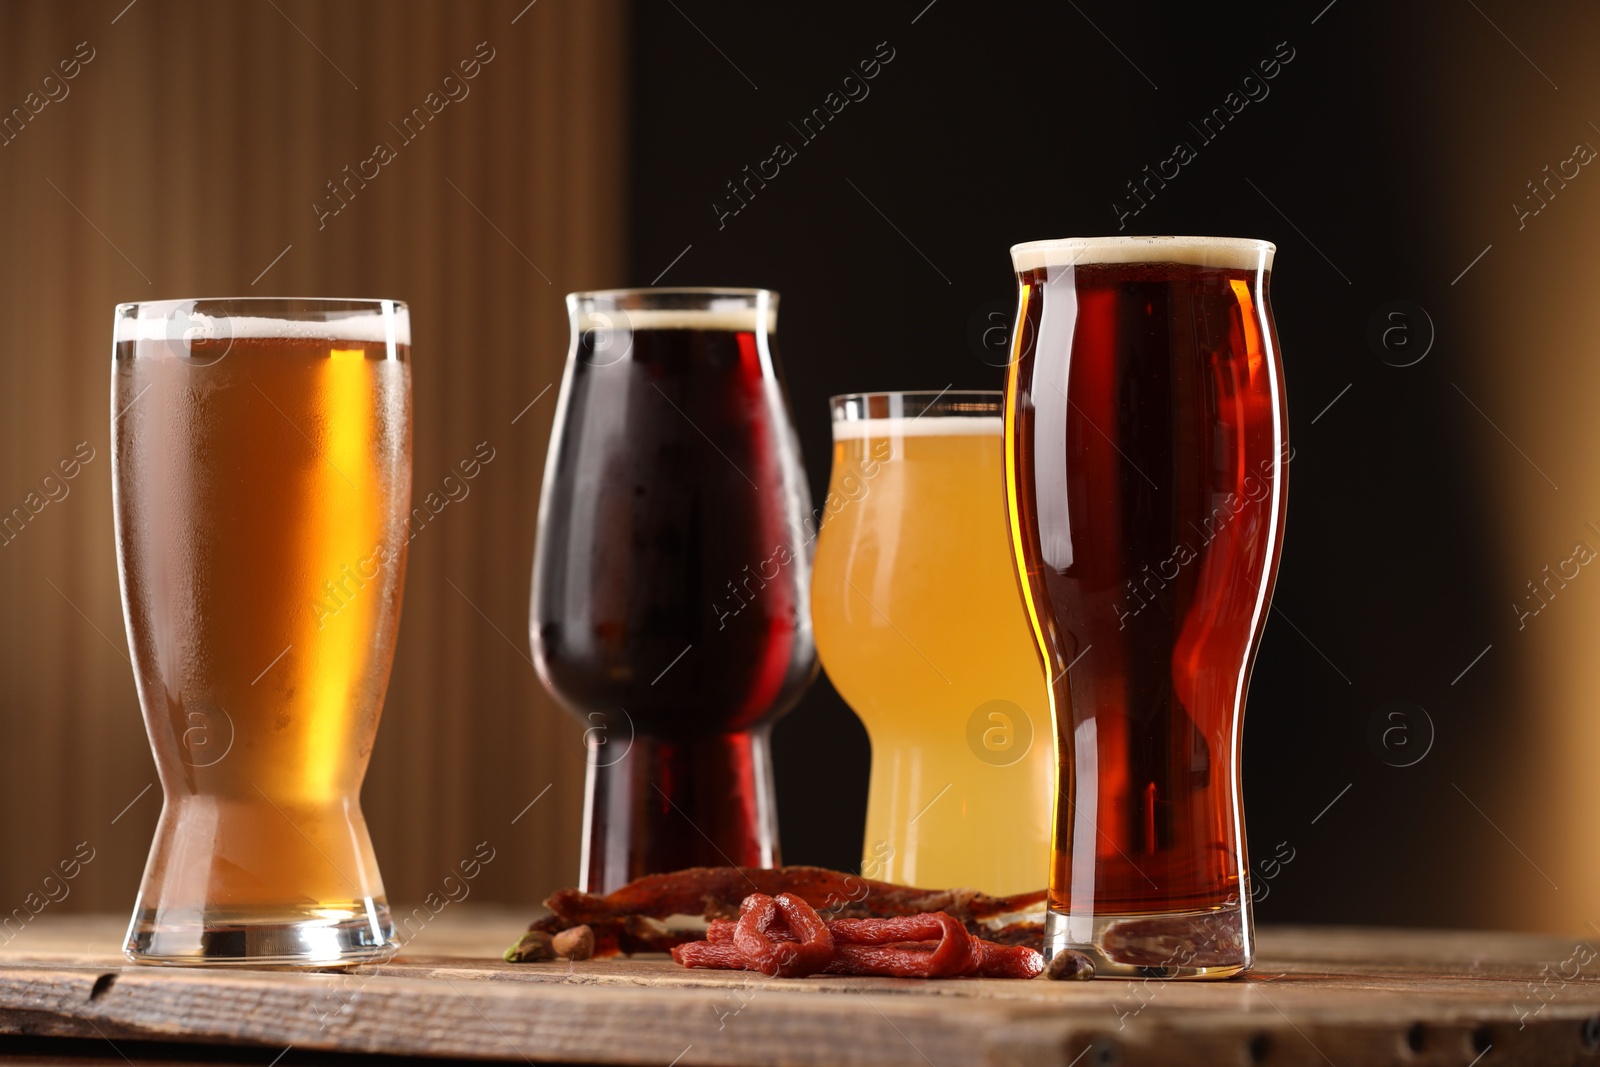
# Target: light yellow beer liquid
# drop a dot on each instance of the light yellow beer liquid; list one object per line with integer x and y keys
{"x": 920, "y": 625}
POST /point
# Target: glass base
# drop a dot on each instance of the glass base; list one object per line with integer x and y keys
{"x": 320, "y": 937}
{"x": 1211, "y": 943}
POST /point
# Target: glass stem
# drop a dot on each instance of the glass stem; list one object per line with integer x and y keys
{"x": 671, "y": 803}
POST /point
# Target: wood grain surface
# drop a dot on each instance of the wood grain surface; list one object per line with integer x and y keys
{"x": 1340, "y": 996}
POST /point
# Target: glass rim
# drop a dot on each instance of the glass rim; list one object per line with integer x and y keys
{"x": 917, "y": 394}
{"x": 326, "y": 302}
{"x": 1242, "y": 253}
{"x": 913, "y": 404}
{"x": 176, "y": 324}
{"x": 673, "y": 290}
{"x": 618, "y": 311}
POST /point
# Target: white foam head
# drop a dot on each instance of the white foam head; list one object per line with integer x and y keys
{"x": 174, "y": 320}
{"x": 743, "y": 319}
{"x": 1236, "y": 253}
{"x": 918, "y": 426}
{"x": 709, "y": 308}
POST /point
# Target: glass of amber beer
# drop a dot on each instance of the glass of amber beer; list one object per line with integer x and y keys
{"x": 261, "y": 478}
{"x": 668, "y": 610}
{"x": 920, "y": 627}
{"x": 1146, "y": 454}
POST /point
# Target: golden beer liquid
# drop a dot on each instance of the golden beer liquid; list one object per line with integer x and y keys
{"x": 920, "y": 624}
{"x": 261, "y": 506}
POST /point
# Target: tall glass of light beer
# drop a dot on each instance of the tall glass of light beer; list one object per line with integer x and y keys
{"x": 261, "y": 478}
{"x": 921, "y": 628}
{"x": 1146, "y": 454}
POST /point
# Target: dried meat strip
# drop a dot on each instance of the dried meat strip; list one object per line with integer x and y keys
{"x": 1006, "y": 961}
{"x": 911, "y": 959}
{"x": 1029, "y": 933}
{"x": 815, "y": 940}
{"x": 723, "y": 957}
{"x": 716, "y": 892}
{"x": 626, "y": 920}
{"x": 784, "y": 937}
{"x": 885, "y": 931}
{"x": 762, "y": 919}
{"x": 876, "y": 946}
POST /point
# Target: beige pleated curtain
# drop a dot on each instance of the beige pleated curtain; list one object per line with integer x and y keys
{"x": 176, "y": 149}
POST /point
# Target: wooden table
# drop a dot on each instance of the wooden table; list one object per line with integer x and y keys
{"x": 1341, "y": 996}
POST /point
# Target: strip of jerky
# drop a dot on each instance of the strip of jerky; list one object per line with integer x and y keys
{"x": 715, "y": 892}
{"x": 624, "y": 920}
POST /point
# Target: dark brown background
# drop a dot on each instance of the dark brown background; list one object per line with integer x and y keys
{"x": 1383, "y": 162}
{"x": 594, "y": 145}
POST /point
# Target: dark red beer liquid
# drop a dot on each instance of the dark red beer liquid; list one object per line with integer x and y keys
{"x": 670, "y": 611}
{"x": 1146, "y": 487}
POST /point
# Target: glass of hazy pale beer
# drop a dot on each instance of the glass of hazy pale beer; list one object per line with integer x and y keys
{"x": 921, "y": 628}
{"x": 1146, "y": 462}
{"x": 261, "y": 479}
{"x": 671, "y": 575}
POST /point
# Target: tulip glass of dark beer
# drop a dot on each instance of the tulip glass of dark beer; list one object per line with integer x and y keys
{"x": 1146, "y": 453}
{"x": 670, "y": 609}
{"x": 262, "y": 474}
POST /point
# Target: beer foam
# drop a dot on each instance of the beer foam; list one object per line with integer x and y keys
{"x": 742, "y": 319}
{"x": 1236, "y": 253}
{"x": 363, "y": 327}
{"x": 918, "y": 426}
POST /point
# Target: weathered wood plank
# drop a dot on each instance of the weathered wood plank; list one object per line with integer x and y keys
{"x": 1343, "y": 996}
